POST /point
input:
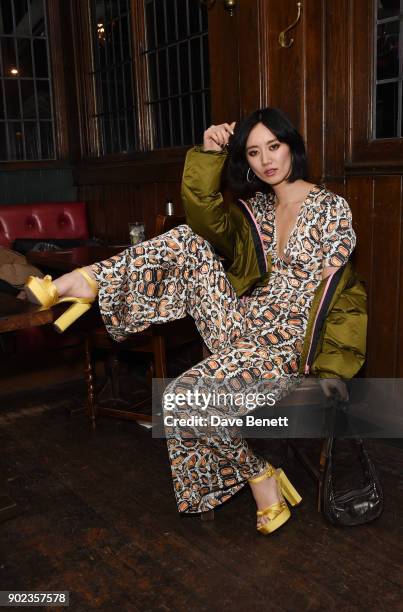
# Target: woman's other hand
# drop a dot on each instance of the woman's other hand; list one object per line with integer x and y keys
{"x": 334, "y": 387}
{"x": 216, "y": 137}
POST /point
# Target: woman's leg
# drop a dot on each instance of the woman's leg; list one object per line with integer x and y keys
{"x": 208, "y": 468}
{"x": 163, "y": 279}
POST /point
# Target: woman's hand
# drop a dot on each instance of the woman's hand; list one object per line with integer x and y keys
{"x": 217, "y": 136}
{"x": 334, "y": 387}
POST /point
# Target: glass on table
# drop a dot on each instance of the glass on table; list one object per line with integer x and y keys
{"x": 136, "y": 232}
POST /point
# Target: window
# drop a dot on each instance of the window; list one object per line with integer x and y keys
{"x": 388, "y": 79}
{"x": 178, "y": 68}
{"x": 145, "y": 79}
{"x": 26, "y": 113}
{"x": 113, "y": 75}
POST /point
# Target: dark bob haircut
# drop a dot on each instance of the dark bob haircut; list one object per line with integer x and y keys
{"x": 280, "y": 125}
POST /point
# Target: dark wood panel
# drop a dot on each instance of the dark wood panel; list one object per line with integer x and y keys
{"x": 224, "y": 74}
{"x": 285, "y": 65}
{"x": 112, "y": 207}
{"x": 361, "y": 200}
{"x": 385, "y": 276}
{"x": 399, "y": 356}
{"x": 336, "y": 88}
{"x": 249, "y": 57}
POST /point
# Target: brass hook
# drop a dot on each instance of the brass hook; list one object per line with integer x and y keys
{"x": 282, "y": 36}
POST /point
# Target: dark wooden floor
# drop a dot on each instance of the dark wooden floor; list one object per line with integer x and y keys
{"x": 100, "y": 521}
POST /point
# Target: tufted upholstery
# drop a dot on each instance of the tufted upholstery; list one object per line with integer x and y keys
{"x": 42, "y": 220}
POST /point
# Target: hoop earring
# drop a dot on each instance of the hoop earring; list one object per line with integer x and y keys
{"x": 250, "y": 180}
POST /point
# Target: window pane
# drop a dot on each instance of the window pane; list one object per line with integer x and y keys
{"x": 173, "y": 70}
{"x": 112, "y": 76}
{"x": 184, "y": 65}
{"x": 388, "y": 50}
{"x": 186, "y": 120}
{"x": 160, "y": 19}
{"x": 388, "y": 8}
{"x": 198, "y": 116}
{"x": 6, "y": 17}
{"x": 12, "y": 99}
{"x": 9, "y": 61}
{"x": 181, "y": 7}
{"x": 15, "y": 140}
{"x": 162, "y": 72}
{"x": 46, "y": 139}
{"x": 21, "y": 18}
{"x": 386, "y": 110}
{"x": 176, "y": 122}
{"x": 165, "y": 124}
{"x": 41, "y": 59}
{"x": 171, "y": 28}
{"x": 152, "y": 69}
{"x": 195, "y": 63}
{"x": 194, "y": 13}
{"x": 1, "y": 100}
{"x": 28, "y": 99}
{"x": 25, "y": 56}
{"x": 31, "y": 140}
{"x": 3, "y": 142}
{"x": 37, "y": 14}
{"x": 150, "y": 24}
{"x": 43, "y": 99}
{"x": 206, "y": 64}
{"x": 125, "y": 32}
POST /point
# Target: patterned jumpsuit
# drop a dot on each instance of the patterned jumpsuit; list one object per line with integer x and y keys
{"x": 254, "y": 338}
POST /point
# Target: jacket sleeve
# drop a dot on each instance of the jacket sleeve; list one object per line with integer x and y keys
{"x": 343, "y": 347}
{"x": 203, "y": 203}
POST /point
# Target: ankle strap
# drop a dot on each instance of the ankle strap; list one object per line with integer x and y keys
{"x": 91, "y": 281}
{"x": 269, "y": 471}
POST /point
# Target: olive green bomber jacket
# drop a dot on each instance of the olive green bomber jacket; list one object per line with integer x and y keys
{"x": 335, "y": 340}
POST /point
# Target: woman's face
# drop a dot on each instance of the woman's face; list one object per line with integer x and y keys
{"x": 269, "y": 158}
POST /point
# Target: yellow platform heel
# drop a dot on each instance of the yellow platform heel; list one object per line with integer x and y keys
{"x": 43, "y": 291}
{"x": 277, "y": 513}
{"x": 288, "y": 490}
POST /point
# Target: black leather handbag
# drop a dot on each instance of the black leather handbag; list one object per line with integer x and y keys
{"x": 354, "y": 506}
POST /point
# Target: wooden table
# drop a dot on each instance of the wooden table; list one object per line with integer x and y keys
{"x": 68, "y": 260}
{"x": 20, "y": 314}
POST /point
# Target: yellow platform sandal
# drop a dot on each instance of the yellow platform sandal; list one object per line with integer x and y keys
{"x": 43, "y": 291}
{"x": 277, "y": 513}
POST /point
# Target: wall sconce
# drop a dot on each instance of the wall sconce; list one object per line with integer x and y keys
{"x": 229, "y": 5}
{"x": 101, "y": 32}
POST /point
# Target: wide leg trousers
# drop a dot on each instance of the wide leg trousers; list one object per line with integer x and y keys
{"x": 251, "y": 340}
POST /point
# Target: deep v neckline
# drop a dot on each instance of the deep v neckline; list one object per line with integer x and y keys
{"x": 294, "y": 227}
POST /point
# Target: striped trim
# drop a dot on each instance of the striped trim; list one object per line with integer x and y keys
{"x": 331, "y": 285}
{"x": 256, "y": 236}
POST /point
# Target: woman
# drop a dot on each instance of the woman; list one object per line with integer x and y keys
{"x": 287, "y": 247}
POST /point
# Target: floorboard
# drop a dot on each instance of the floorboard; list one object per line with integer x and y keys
{"x": 99, "y": 519}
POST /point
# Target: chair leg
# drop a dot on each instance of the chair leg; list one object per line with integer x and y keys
{"x": 90, "y": 384}
{"x": 113, "y": 370}
{"x": 322, "y": 467}
{"x": 159, "y": 354}
{"x": 207, "y": 516}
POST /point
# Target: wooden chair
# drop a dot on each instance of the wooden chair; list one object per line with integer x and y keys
{"x": 156, "y": 341}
